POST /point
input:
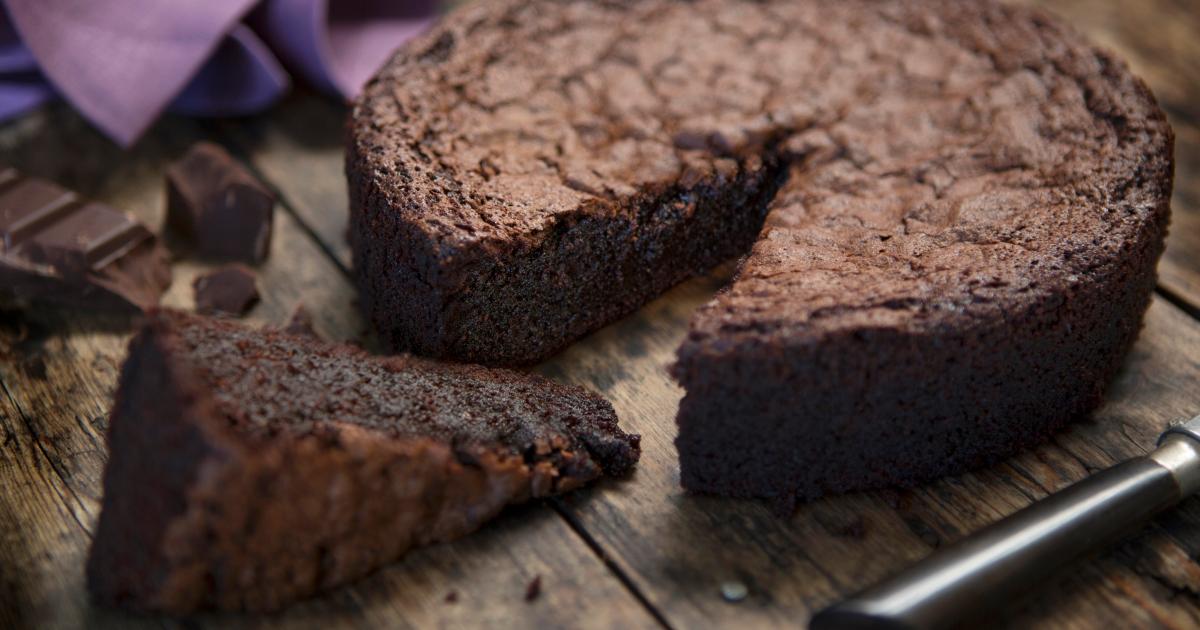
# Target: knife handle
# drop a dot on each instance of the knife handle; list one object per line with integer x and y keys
{"x": 994, "y": 566}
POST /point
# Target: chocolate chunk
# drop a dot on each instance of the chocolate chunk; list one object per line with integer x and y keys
{"x": 219, "y": 207}
{"x": 230, "y": 289}
{"x": 60, "y": 248}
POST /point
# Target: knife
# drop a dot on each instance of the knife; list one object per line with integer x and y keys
{"x": 996, "y": 565}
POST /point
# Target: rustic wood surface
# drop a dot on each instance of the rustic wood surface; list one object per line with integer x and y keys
{"x": 638, "y": 553}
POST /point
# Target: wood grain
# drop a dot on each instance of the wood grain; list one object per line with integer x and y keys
{"x": 1179, "y": 271}
{"x": 42, "y": 536}
{"x": 58, "y": 372}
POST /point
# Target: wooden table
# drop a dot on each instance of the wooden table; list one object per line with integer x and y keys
{"x": 638, "y": 553}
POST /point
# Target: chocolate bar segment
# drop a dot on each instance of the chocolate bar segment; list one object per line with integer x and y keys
{"x": 218, "y": 207}
{"x": 58, "y": 247}
{"x": 28, "y": 206}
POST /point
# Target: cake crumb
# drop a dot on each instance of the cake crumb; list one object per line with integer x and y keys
{"x": 534, "y": 589}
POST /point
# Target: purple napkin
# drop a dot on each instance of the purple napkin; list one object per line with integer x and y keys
{"x": 122, "y": 62}
{"x": 241, "y": 77}
{"x": 339, "y": 47}
{"x": 21, "y": 85}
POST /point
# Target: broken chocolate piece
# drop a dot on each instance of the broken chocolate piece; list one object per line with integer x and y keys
{"x": 60, "y": 248}
{"x": 219, "y": 207}
{"x": 230, "y": 289}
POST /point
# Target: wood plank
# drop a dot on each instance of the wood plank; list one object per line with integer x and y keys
{"x": 42, "y": 541}
{"x": 60, "y": 371}
{"x": 1158, "y": 39}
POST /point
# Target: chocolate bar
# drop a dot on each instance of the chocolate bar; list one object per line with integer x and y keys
{"x": 219, "y": 207}
{"x": 61, "y": 248}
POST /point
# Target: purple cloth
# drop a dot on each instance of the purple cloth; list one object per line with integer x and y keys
{"x": 241, "y": 77}
{"x": 122, "y": 62}
{"x": 21, "y": 85}
{"x": 339, "y": 47}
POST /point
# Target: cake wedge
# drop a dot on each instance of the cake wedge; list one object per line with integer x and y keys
{"x": 250, "y": 468}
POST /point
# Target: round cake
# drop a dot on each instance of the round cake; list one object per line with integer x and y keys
{"x": 950, "y": 212}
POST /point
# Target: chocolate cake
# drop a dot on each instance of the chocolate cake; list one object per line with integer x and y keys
{"x": 250, "y": 468}
{"x": 953, "y": 213}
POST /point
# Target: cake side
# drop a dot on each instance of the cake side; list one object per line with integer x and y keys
{"x": 206, "y": 483}
{"x": 792, "y": 419}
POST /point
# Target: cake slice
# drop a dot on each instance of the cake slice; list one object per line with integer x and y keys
{"x": 249, "y": 468}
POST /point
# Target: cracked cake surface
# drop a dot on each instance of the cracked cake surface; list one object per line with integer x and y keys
{"x": 952, "y": 213}
{"x": 251, "y": 468}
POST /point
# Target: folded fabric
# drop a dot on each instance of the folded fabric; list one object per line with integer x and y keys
{"x": 121, "y": 63}
{"x": 241, "y": 77}
{"x": 21, "y": 85}
{"x": 338, "y": 46}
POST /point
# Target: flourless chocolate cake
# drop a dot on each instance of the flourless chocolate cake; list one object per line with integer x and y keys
{"x": 250, "y": 468}
{"x": 953, "y": 212}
